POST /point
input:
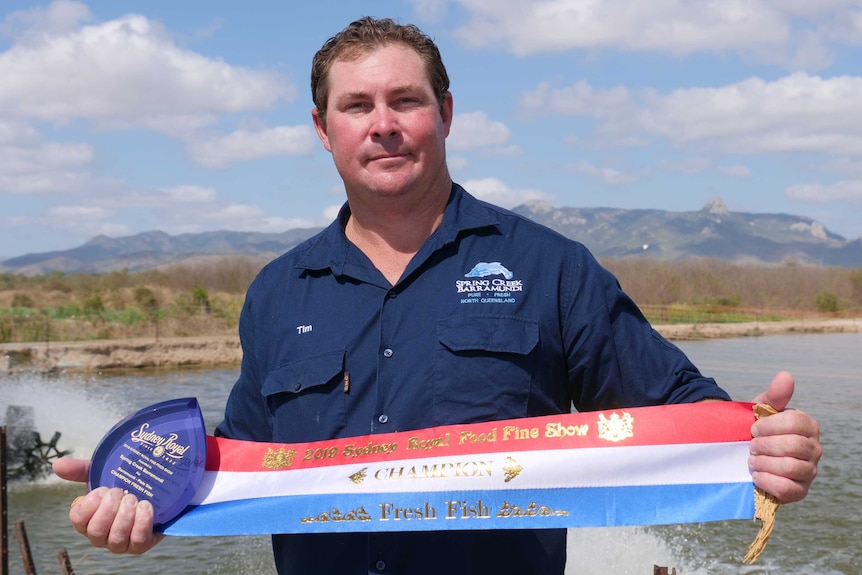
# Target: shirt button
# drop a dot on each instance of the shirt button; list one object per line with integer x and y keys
{"x": 387, "y": 352}
{"x": 297, "y": 387}
{"x": 380, "y": 565}
{"x": 393, "y": 295}
{"x": 383, "y": 418}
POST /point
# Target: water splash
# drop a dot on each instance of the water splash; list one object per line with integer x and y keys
{"x": 621, "y": 551}
{"x": 64, "y": 404}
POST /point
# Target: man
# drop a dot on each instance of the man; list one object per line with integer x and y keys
{"x": 421, "y": 306}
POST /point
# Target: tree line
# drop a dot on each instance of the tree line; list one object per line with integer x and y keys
{"x": 205, "y": 297}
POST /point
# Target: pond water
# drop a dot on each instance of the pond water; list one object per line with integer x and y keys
{"x": 818, "y": 535}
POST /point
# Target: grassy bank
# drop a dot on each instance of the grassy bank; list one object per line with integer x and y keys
{"x": 205, "y": 298}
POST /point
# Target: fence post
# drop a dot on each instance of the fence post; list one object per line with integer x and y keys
{"x": 4, "y": 525}
{"x": 24, "y": 543}
{"x": 47, "y": 336}
{"x": 65, "y": 563}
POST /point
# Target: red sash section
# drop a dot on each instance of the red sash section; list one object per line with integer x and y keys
{"x": 705, "y": 422}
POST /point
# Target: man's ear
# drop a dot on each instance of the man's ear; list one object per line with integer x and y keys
{"x": 320, "y": 127}
{"x": 446, "y": 111}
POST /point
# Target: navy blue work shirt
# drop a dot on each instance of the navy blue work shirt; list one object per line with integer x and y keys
{"x": 496, "y": 317}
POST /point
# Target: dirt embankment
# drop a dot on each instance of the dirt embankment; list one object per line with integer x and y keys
{"x": 98, "y": 355}
{"x": 215, "y": 351}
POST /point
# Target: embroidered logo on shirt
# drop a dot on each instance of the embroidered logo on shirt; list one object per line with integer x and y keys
{"x": 487, "y": 286}
{"x": 485, "y": 269}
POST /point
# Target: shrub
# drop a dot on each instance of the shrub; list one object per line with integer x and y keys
{"x": 22, "y": 300}
{"x": 826, "y": 301}
{"x": 93, "y": 303}
{"x": 146, "y": 299}
{"x": 201, "y": 298}
{"x": 856, "y": 285}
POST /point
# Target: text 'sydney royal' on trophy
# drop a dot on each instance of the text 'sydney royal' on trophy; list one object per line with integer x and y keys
{"x": 158, "y": 454}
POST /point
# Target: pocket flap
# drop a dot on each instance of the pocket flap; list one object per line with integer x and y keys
{"x": 496, "y": 333}
{"x": 297, "y": 376}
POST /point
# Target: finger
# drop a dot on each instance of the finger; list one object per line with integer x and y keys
{"x": 786, "y": 478}
{"x": 142, "y": 537}
{"x": 779, "y": 392}
{"x": 83, "y": 509}
{"x": 100, "y": 524}
{"x": 121, "y": 527}
{"x": 791, "y": 422}
{"x": 72, "y": 469}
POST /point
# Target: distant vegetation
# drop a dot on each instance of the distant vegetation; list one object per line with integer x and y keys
{"x": 205, "y": 298}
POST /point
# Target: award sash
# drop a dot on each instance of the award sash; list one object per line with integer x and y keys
{"x": 639, "y": 466}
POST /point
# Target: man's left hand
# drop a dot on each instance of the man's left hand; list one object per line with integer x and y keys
{"x": 785, "y": 448}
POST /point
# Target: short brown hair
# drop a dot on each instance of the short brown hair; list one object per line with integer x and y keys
{"x": 361, "y": 37}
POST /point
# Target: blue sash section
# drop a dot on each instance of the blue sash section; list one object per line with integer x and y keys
{"x": 467, "y": 510}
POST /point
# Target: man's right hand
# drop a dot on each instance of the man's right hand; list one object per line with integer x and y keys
{"x": 109, "y": 518}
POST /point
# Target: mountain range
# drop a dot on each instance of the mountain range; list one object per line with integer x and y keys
{"x": 712, "y": 231}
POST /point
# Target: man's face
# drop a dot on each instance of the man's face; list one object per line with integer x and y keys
{"x": 384, "y": 125}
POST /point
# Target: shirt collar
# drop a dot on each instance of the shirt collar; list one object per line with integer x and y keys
{"x": 463, "y": 213}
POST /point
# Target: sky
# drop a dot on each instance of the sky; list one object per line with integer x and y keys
{"x": 119, "y": 117}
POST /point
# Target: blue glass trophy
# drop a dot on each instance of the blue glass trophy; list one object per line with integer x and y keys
{"x": 158, "y": 454}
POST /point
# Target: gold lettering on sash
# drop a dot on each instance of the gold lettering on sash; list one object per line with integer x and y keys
{"x": 428, "y": 444}
{"x": 389, "y": 512}
{"x": 467, "y": 469}
{"x": 515, "y": 432}
{"x": 472, "y": 437}
{"x": 464, "y": 510}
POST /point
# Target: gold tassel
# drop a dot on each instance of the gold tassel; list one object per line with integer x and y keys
{"x": 765, "y": 504}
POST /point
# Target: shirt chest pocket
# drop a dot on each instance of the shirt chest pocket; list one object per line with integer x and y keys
{"x": 483, "y": 367}
{"x": 306, "y": 398}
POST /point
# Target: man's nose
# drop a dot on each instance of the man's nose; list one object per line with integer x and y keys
{"x": 385, "y": 122}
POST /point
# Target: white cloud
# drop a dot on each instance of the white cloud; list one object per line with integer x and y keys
{"x": 331, "y": 212}
{"x": 429, "y": 10}
{"x": 29, "y": 165}
{"x": 605, "y": 174}
{"x": 244, "y": 217}
{"x": 190, "y": 194}
{"x": 842, "y": 191}
{"x": 220, "y": 151}
{"x": 796, "y": 113}
{"x": 456, "y": 162}
{"x": 32, "y": 26}
{"x": 475, "y": 130}
{"x": 797, "y": 34}
{"x": 79, "y": 212}
{"x": 681, "y": 26}
{"x": 44, "y": 158}
{"x": 82, "y": 220}
{"x": 127, "y": 72}
{"x": 736, "y": 170}
{"x": 497, "y": 192}
{"x": 579, "y": 99}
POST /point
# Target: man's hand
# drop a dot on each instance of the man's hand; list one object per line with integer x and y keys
{"x": 109, "y": 518}
{"x": 785, "y": 448}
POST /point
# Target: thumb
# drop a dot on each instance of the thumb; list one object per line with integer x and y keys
{"x": 779, "y": 392}
{"x": 72, "y": 469}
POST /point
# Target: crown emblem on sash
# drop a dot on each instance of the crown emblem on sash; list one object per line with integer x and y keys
{"x": 278, "y": 459}
{"x": 616, "y": 427}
